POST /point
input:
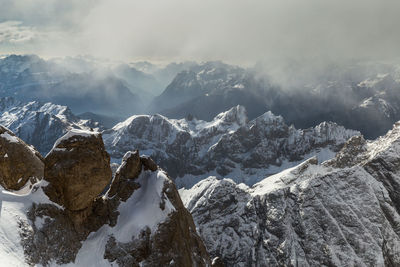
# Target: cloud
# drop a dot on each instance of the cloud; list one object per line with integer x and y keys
{"x": 15, "y": 32}
{"x": 244, "y": 30}
{"x": 235, "y": 31}
{"x": 46, "y": 14}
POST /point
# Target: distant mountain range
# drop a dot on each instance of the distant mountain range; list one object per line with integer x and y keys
{"x": 364, "y": 97}
{"x": 228, "y": 146}
{"x": 189, "y": 149}
{"x": 359, "y": 97}
{"x": 82, "y": 84}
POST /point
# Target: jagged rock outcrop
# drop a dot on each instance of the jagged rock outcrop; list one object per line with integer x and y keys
{"x": 351, "y": 153}
{"x": 77, "y": 169}
{"x": 344, "y": 212}
{"x": 65, "y": 218}
{"x": 19, "y": 162}
{"x": 228, "y": 146}
{"x": 123, "y": 183}
{"x": 173, "y": 242}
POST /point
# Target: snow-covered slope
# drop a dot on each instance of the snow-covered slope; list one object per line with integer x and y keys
{"x": 13, "y": 207}
{"x": 140, "y": 212}
{"x": 39, "y": 124}
{"x": 344, "y": 212}
{"x": 227, "y": 146}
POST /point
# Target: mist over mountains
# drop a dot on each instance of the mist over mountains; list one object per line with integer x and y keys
{"x": 363, "y": 96}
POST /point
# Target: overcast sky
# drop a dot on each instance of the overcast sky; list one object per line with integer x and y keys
{"x": 238, "y": 31}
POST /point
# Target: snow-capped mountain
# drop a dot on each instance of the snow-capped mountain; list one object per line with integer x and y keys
{"x": 57, "y": 214}
{"x": 358, "y": 96}
{"x": 343, "y": 212}
{"x": 40, "y": 124}
{"x": 228, "y": 146}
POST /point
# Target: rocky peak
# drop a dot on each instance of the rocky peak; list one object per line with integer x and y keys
{"x": 358, "y": 151}
{"x": 173, "y": 240}
{"x": 19, "y": 162}
{"x": 351, "y": 153}
{"x": 268, "y": 119}
{"x": 123, "y": 183}
{"x": 77, "y": 169}
{"x": 237, "y": 114}
{"x": 140, "y": 219}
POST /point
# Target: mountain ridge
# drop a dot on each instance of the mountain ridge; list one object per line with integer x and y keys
{"x": 343, "y": 212}
{"x": 190, "y": 149}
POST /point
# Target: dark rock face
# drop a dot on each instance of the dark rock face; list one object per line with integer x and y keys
{"x": 18, "y": 161}
{"x": 352, "y": 153}
{"x": 123, "y": 183}
{"x": 171, "y": 236}
{"x": 52, "y": 236}
{"x": 78, "y": 169}
{"x": 148, "y": 164}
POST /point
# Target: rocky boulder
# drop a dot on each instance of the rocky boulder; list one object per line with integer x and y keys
{"x": 19, "y": 162}
{"x": 77, "y": 169}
